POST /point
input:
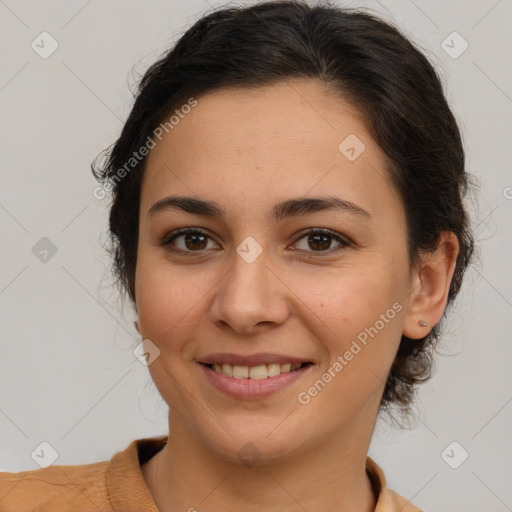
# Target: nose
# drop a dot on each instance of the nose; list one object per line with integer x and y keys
{"x": 251, "y": 295}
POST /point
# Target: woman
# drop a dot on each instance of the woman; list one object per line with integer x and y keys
{"x": 288, "y": 221}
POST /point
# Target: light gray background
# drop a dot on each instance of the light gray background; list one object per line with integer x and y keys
{"x": 67, "y": 372}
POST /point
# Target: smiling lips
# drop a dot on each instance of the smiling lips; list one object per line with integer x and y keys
{"x": 252, "y": 376}
{"x": 255, "y": 366}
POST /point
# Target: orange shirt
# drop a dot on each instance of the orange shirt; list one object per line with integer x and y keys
{"x": 118, "y": 485}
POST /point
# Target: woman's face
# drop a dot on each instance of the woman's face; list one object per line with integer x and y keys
{"x": 256, "y": 282}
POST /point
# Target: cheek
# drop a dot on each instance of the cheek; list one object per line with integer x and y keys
{"x": 362, "y": 310}
{"x": 363, "y": 316}
{"x": 167, "y": 309}
{"x": 163, "y": 297}
{"x": 172, "y": 301}
{"x": 351, "y": 301}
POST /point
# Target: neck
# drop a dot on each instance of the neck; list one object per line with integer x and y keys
{"x": 187, "y": 475}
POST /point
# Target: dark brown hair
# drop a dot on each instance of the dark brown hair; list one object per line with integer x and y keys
{"x": 372, "y": 65}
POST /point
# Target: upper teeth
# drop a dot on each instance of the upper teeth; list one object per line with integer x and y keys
{"x": 255, "y": 372}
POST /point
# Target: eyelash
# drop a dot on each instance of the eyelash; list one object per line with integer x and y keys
{"x": 196, "y": 231}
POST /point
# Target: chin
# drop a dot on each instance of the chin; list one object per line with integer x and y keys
{"x": 253, "y": 447}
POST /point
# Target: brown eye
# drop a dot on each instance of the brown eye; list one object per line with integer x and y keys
{"x": 187, "y": 241}
{"x": 195, "y": 241}
{"x": 320, "y": 240}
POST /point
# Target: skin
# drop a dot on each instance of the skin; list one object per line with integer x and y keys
{"x": 247, "y": 150}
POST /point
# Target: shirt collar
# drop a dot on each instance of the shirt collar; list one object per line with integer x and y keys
{"x": 128, "y": 490}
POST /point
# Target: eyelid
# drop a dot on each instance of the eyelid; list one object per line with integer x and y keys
{"x": 343, "y": 241}
{"x": 166, "y": 241}
{"x": 323, "y": 231}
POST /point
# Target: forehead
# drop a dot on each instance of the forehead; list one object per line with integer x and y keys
{"x": 289, "y": 113}
{"x": 287, "y": 139}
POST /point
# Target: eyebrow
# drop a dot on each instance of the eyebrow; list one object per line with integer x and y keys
{"x": 280, "y": 211}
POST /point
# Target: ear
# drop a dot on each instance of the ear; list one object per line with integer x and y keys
{"x": 430, "y": 284}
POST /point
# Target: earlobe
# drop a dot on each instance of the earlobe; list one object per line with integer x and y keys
{"x": 429, "y": 295}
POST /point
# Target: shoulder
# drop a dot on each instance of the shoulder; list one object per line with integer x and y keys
{"x": 114, "y": 485}
{"x": 53, "y": 488}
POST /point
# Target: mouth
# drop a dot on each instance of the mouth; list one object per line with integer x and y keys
{"x": 257, "y": 372}
{"x": 254, "y": 382}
